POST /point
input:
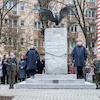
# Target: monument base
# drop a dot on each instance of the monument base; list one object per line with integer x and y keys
{"x": 47, "y": 81}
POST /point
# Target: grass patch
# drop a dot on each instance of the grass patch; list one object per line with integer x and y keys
{"x": 6, "y": 97}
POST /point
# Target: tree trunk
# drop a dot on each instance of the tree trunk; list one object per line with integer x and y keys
{"x": 90, "y": 49}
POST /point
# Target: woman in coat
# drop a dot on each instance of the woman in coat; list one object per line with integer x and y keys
{"x": 1, "y": 74}
{"x": 22, "y": 69}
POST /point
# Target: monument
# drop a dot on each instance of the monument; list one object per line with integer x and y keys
{"x": 55, "y": 43}
{"x": 56, "y": 76}
{"x": 56, "y": 51}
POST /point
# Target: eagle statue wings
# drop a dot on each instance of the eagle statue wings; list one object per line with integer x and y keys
{"x": 57, "y": 18}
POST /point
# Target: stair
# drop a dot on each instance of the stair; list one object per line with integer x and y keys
{"x": 55, "y": 82}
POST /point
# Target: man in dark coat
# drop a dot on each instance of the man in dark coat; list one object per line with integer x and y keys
{"x": 4, "y": 70}
{"x": 32, "y": 57}
{"x": 79, "y": 55}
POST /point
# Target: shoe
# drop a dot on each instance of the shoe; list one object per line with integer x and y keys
{"x": 97, "y": 87}
{"x": 10, "y": 87}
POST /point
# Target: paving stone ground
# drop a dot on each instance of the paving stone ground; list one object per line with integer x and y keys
{"x": 50, "y": 94}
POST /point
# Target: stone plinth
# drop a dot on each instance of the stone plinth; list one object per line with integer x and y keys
{"x": 55, "y": 82}
{"x": 56, "y": 51}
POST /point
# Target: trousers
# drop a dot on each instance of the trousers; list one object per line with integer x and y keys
{"x": 11, "y": 75}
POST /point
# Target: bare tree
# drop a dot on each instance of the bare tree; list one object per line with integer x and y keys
{"x": 79, "y": 11}
{"x": 4, "y": 11}
{"x": 44, "y": 20}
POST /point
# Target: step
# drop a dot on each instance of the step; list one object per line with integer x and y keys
{"x": 66, "y": 81}
{"x": 48, "y": 81}
{"x": 24, "y": 85}
{"x": 49, "y": 76}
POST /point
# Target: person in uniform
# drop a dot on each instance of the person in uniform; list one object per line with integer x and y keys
{"x": 11, "y": 61}
{"x": 96, "y": 65}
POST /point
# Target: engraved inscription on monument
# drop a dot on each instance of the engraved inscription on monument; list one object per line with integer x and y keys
{"x": 56, "y": 50}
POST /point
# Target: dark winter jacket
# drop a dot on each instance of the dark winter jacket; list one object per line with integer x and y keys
{"x": 22, "y": 69}
{"x": 11, "y": 63}
{"x": 4, "y": 69}
{"x": 79, "y": 55}
{"x": 31, "y": 58}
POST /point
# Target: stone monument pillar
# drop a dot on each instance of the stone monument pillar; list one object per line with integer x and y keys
{"x": 56, "y": 51}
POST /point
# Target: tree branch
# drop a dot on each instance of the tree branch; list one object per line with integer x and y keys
{"x": 10, "y": 9}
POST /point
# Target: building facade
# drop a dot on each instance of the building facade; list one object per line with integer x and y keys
{"x": 21, "y": 26}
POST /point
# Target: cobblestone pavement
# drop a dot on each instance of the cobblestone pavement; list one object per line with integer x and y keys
{"x": 50, "y": 94}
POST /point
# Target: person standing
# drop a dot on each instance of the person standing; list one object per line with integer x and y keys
{"x": 41, "y": 65}
{"x": 79, "y": 55}
{"x": 11, "y": 62}
{"x": 1, "y": 73}
{"x": 96, "y": 65}
{"x": 5, "y": 76}
{"x": 32, "y": 57}
{"x": 22, "y": 69}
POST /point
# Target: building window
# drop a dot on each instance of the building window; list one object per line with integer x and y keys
{"x": 10, "y": 22}
{"x": 90, "y": 13}
{"x": 75, "y": 11}
{"x": 92, "y": 44}
{"x": 36, "y": 7}
{"x": 9, "y": 4}
{"x": 6, "y": 21}
{"x": 90, "y": 1}
{"x": 22, "y": 23}
{"x": 73, "y": 44}
{"x": 22, "y": 6}
{"x": 74, "y": 28}
{"x": 70, "y": 1}
{"x": 15, "y": 5}
{"x": 38, "y": 25}
{"x": 93, "y": 13}
{"x": 5, "y": 41}
{"x": 9, "y": 41}
{"x": 90, "y": 29}
{"x": 22, "y": 41}
{"x": 15, "y": 23}
{"x": 14, "y": 44}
